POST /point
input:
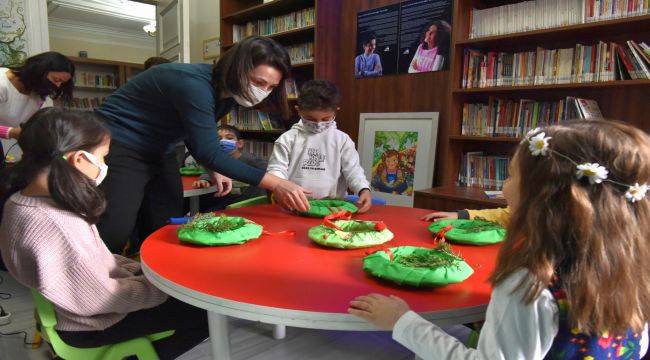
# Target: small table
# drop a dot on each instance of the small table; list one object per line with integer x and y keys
{"x": 289, "y": 280}
{"x": 193, "y": 193}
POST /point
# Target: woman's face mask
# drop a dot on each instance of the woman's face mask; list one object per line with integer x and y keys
{"x": 258, "y": 96}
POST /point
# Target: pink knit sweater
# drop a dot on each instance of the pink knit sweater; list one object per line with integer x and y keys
{"x": 63, "y": 257}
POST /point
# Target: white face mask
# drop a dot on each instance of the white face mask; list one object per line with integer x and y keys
{"x": 317, "y": 127}
{"x": 103, "y": 168}
{"x": 258, "y": 96}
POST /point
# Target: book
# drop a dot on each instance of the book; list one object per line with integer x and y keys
{"x": 250, "y": 119}
{"x": 494, "y": 194}
{"x": 291, "y": 88}
{"x": 277, "y": 24}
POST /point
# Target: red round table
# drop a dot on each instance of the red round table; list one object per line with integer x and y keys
{"x": 289, "y": 280}
{"x": 193, "y": 192}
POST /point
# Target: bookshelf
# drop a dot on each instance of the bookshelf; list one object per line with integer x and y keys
{"x": 324, "y": 30}
{"x": 621, "y": 99}
{"x": 95, "y": 79}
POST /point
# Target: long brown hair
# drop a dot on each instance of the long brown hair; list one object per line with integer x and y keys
{"x": 230, "y": 73}
{"x": 46, "y": 136}
{"x": 591, "y": 236}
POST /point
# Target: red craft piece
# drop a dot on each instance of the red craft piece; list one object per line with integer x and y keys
{"x": 379, "y": 225}
{"x": 440, "y": 236}
{"x": 340, "y": 215}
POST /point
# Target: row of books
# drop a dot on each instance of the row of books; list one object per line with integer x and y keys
{"x": 515, "y": 118}
{"x": 98, "y": 80}
{"x": 483, "y": 171}
{"x": 277, "y": 24}
{"x": 301, "y": 53}
{"x": 544, "y": 14}
{"x": 584, "y": 63}
{"x": 247, "y": 119}
{"x": 262, "y": 149}
{"x": 90, "y": 103}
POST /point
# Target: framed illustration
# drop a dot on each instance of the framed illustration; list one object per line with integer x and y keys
{"x": 211, "y": 48}
{"x": 398, "y": 152}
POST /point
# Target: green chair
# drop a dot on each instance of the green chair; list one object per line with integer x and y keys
{"x": 263, "y": 199}
{"x": 140, "y": 347}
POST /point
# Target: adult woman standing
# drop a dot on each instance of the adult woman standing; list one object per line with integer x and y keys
{"x": 23, "y": 89}
{"x": 169, "y": 103}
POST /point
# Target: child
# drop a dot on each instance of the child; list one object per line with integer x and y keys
{"x": 316, "y": 155}
{"x": 368, "y": 64}
{"x": 49, "y": 241}
{"x": 500, "y": 215}
{"x": 232, "y": 144}
{"x": 571, "y": 279}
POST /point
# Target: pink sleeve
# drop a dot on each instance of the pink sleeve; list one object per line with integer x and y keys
{"x": 4, "y": 132}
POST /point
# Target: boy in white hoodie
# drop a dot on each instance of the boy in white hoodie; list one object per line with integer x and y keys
{"x": 315, "y": 154}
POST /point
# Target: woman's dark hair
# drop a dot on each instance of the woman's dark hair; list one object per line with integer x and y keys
{"x": 230, "y": 73}
{"x": 46, "y": 137}
{"x": 442, "y": 36}
{"x": 33, "y": 74}
{"x": 319, "y": 95}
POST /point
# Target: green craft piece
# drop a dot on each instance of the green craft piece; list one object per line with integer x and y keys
{"x": 379, "y": 265}
{"x": 323, "y": 207}
{"x": 211, "y": 230}
{"x": 355, "y": 234}
{"x": 192, "y": 171}
{"x": 474, "y": 232}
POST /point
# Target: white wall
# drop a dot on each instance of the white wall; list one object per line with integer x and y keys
{"x": 204, "y": 24}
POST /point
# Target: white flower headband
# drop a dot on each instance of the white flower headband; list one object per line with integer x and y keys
{"x": 596, "y": 173}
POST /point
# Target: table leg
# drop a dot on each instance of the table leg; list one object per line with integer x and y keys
{"x": 279, "y": 332}
{"x": 219, "y": 337}
{"x": 194, "y": 205}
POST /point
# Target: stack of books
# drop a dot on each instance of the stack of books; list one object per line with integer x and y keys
{"x": 274, "y": 25}
{"x": 90, "y": 79}
{"x": 515, "y": 118}
{"x": 247, "y": 119}
{"x": 584, "y": 63}
{"x": 483, "y": 171}
{"x": 301, "y": 53}
{"x": 544, "y": 14}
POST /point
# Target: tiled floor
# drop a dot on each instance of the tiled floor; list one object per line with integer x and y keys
{"x": 249, "y": 340}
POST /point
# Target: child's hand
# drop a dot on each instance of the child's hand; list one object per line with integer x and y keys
{"x": 440, "y": 215}
{"x": 380, "y": 310}
{"x": 201, "y": 184}
{"x": 365, "y": 201}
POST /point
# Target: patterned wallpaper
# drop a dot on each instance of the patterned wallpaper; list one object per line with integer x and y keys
{"x": 13, "y": 40}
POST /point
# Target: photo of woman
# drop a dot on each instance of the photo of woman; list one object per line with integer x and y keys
{"x": 368, "y": 64}
{"x": 433, "y": 48}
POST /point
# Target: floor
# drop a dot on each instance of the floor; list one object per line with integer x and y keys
{"x": 249, "y": 340}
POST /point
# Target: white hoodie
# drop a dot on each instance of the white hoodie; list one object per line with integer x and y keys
{"x": 325, "y": 163}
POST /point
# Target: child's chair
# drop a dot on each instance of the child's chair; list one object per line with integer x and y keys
{"x": 140, "y": 347}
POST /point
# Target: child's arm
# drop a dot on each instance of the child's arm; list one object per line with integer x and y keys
{"x": 354, "y": 174}
{"x": 500, "y": 215}
{"x": 279, "y": 160}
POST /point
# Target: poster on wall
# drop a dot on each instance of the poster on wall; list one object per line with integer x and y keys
{"x": 424, "y": 36}
{"x": 377, "y": 41}
{"x": 398, "y": 152}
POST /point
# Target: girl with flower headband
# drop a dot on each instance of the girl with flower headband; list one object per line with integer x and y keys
{"x": 571, "y": 280}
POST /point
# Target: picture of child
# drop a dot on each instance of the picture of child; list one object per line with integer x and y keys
{"x": 393, "y": 167}
{"x": 368, "y": 64}
{"x": 431, "y": 53}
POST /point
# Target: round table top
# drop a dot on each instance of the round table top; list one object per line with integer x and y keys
{"x": 189, "y": 190}
{"x": 283, "y": 272}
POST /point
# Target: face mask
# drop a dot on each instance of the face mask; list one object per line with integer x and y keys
{"x": 258, "y": 96}
{"x": 228, "y": 145}
{"x": 317, "y": 127}
{"x": 103, "y": 168}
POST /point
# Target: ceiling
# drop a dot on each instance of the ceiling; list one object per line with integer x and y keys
{"x": 121, "y": 15}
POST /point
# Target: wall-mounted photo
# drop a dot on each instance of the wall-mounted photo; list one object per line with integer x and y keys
{"x": 425, "y": 34}
{"x": 377, "y": 32}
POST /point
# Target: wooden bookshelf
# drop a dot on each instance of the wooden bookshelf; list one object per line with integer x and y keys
{"x": 120, "y": 71}
{"x": 622, "y": 100}
{"x": 324, "y": 31}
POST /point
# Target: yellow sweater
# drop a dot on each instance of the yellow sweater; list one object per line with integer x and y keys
{"x": 500, "y": 215}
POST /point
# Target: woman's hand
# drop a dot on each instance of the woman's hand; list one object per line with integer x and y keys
{"x": 365, "y": 201}
{"x": 223, "y": 184}
{"x": 380, "y": 310}
{"x": 289, "y": 195}
{"x": 14, "y": 132}
{"x": 440, "y": 215}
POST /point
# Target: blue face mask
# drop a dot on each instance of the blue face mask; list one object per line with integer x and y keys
{"x": 228, "y": 145}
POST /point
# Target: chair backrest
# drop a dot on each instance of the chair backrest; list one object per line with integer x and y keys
{"x": 45, "y": 310}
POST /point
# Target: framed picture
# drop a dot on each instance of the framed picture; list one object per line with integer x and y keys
{"x": 211, "y": 48}
{"x": 398, "y": 152}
